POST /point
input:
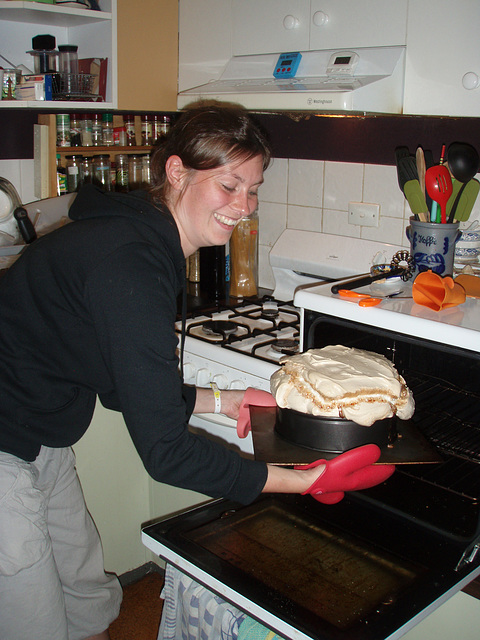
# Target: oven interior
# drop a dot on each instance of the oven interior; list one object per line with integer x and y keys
{"x": 445, "y": 385}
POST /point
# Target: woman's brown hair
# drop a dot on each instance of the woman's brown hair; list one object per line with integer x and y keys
{"x": 207, "y": 136}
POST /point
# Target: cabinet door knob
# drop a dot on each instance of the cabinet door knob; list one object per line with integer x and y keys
{"x": 290, "y": 22}
{"x": 470, "y": 80}
{"x": 320, "y": 19}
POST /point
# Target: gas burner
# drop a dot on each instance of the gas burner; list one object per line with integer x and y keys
{"x": 219, "y": 328}
{"x": 270, "y": 309}
{"x": 287, "y": 346}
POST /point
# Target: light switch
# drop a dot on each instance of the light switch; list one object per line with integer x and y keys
{"x": 363, "y": 214}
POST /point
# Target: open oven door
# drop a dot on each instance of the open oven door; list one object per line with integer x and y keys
{"x": 351, "y": 571}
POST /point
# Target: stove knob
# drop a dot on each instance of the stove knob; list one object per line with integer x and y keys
{"x": 203, "y": 377}
{"x": 238, "y": 384}
{"x": 221, "y": 380}
{"x": 189, "y": 371}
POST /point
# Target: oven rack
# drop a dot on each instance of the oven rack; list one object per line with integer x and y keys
{"x": 449, "y": 418}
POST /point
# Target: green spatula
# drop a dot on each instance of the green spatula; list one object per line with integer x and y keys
{"x": 416, "y": 199}
{"x": 467, "y": 200}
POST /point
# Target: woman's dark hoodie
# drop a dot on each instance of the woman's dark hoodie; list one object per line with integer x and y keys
{"x": 89, "y": 310}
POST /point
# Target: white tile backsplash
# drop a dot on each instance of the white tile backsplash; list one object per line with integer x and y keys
{"x": 305, "y": 183}
{"x": 20, "y": 174}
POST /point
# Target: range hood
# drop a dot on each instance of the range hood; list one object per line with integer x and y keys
{"x": 333, "y": 80}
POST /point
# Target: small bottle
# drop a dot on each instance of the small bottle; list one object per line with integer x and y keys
{"x": 87, "y": 130}
{"x": 121, "y": 179}
{"x": 97, "y": 130}
{"x": 107, "y": 130}
{"x": 129, "y": 121}
{"x": 147, "y": 131}
{"x": 134, "y": 172}
{"x": 73, "y": 172}
{"x": 61, "y": 178}
{"x": 86, "y": 171}
{"x": 119, "y": 137}
{"x": 101, "y": 172}
{"x": 63, "y": 130}
{"x": 75, "y": 130}
{"x": 146, "y": 172}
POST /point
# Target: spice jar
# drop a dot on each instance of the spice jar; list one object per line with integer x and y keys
{"x": 146, "y": 172}
{"x": 107, "y": 129}
{"x": 75, "y": 130}
{"x": 121, "y": 179}
{"x": 73, "y": 172}
{"x": 129, "y": 121}
{"x": 160, "y": 128}
{"x": 101, "y": 172}
{"x": 63, "y": 130}
{"x": 97, "y": 130}
{"x": 87, "y": 130}
{"x": 244, "y": 258}
{"x": 134, "y": 172}
{"x": 86, "y": 170}
{"x": 147, "y": 131}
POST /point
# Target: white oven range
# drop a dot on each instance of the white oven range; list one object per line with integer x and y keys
{"x": 297, "y": 259}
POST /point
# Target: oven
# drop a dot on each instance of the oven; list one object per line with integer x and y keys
{"x": 383, "y": 559}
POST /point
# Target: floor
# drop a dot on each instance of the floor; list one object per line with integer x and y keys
{"x": 141, "y": 610}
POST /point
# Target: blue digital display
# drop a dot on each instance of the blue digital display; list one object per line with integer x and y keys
{"x": 287, "y": 65}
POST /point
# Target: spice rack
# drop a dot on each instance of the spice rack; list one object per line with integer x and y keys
{"x": 52, "y": 150}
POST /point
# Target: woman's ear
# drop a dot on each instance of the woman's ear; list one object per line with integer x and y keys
{"x": 175, "y": 172}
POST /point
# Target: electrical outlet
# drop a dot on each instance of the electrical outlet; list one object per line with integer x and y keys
{"x": 364, "y": 214}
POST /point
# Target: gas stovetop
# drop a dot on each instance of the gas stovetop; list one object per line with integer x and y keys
{"x": 262, "y": 328}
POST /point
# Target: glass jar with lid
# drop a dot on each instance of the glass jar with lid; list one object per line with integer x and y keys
{"x": 121, "y": 179}
{"x": 97, "y": 130}
{"x": 147, "y": 131}
{"x": 129, "y": 121}
{"x": 86, "y": 170}
{"x": 101, "y": 171}
{"x": 107, "y": 129}
{"x": 73, "y": 172}
{"x": 134, "y": 172}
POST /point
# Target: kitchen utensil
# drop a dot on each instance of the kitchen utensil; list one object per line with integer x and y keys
{"x": 429, "y": 162}
{"x": 437, "y": 292}
{"x": 463, "y": 161}
{"x": 332, "y": 434}
{"x": 255, "y": 397}
{"x": 470, "y": 283}
{"x": 364, "y": 300}
{"x": 401, "y": 265}
{"x": 421, "y": 168}
{"x": 408, "y": 181}
{"x": 25, "y": 225}
{"x": 416, "y": 199}
{"x": 467, "y": 200}
{"x": 439, "y": 187}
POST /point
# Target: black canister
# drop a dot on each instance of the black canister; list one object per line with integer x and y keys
{"x": 212, "y": 272}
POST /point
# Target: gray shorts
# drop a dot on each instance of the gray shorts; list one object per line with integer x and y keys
{"x": 52, "y": 582}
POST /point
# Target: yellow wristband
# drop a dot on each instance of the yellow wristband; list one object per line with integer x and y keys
{"x": 218, "y": 397}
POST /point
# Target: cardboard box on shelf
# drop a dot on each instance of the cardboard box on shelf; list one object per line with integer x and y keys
{"x": 97, "y": 67}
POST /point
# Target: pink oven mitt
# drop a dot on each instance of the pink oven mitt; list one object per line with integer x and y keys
{"x": 350, "y": 471}
{"x": 258, "y": 398}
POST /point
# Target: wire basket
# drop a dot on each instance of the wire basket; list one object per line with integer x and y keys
{"x": 73, "y": 86}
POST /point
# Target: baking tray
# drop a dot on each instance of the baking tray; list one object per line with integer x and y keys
{"x": 410, "y": 447}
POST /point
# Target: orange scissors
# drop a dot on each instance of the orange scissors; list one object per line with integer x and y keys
{"x": 364, "y": 300}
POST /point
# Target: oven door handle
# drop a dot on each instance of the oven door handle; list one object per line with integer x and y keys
{"x": 469, "y": 554}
